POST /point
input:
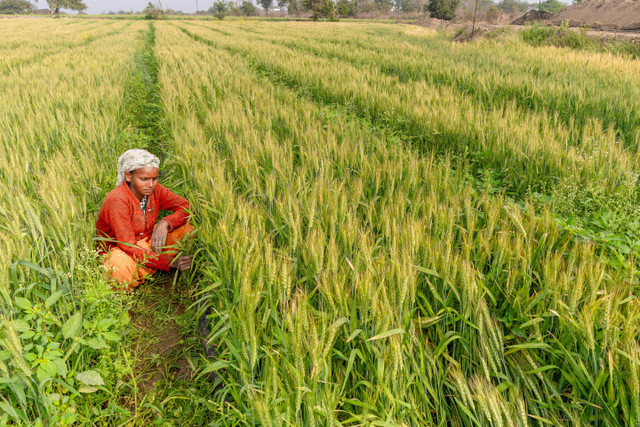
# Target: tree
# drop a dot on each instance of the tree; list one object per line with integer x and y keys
{"x": 551, "y": 6}
{"x": 443, "y": 9}
{"x": 266, "y": 4}
{"x": 14, "y": 7}
{"x": 328, "y": 10}
{"x": 247, "y": 8}
{"x": 152, "y": 11}
{"x": 513, "y": 7}
{"x": 346, "y": 8}
{"x": 396, "y": 6}
{"x": 408, "y": 5}
{"x": 56, "y": 5}
{"x": 294, "y": 7}
{"x": 320, "y": 9}
{"x": 384, "y": 5}
{"x": 219, "y": 9}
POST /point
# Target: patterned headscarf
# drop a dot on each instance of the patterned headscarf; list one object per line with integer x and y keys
{"x": 135, "y": 159}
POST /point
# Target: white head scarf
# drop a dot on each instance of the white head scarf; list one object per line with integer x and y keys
{"x": 135, "y": 159}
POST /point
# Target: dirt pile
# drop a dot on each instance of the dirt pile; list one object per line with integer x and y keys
{"x": 602, "y": 14}
{"x": 468, "y": 33}
{"x": 532, "y": 16}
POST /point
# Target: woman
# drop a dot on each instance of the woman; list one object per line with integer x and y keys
{"x": 135, "y": 245}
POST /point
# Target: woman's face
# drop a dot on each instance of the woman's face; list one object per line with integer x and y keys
{"x": 142, "y": 181}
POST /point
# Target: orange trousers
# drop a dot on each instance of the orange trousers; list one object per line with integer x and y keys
{"x": 128, "y": 272}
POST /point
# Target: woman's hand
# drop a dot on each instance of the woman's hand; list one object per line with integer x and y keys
{"x": 182, "y": 263}
{"x": 159, "y": 236}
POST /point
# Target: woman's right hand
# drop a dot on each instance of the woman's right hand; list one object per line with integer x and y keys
{"x": 182, "y": 263}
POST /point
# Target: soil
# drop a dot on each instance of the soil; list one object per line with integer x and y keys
{"x": 159, "y": 343}
{"x": 532, "y": 16}
{"x": 602, "y": 14}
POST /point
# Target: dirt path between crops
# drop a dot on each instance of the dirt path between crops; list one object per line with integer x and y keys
{"x": 158, "y": 343}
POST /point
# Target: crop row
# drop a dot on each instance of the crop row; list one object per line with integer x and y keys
{"x": 492, "y": 74}
{"x": 58, "y": 144}
{"x": 354, "y": 277}
{"x": 17, "y": 52}
{"x": 522, "y": 152}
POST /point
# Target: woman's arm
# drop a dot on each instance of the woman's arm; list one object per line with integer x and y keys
{"x": 118, "y": 215}
{"x": 168, "y": 200}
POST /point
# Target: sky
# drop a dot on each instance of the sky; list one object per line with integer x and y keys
{"x": 99, "y": 6}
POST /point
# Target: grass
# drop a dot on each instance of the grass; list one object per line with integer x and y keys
{"x": 393, "y": 229}
{"x": 538, "y": 34}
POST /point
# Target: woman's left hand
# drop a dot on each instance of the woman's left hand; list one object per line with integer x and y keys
{"x": 159, "y": 236}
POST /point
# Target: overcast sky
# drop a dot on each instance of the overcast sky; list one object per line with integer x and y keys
{"x": 99, "y": 6}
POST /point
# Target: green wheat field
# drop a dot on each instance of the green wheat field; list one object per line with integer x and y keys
{"x": 393, "y": 228}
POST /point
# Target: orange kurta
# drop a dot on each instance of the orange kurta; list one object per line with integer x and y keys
{"x": 123, "y": 224}
{"x": 127, "y": 231}
{"x": 126, "y": 271}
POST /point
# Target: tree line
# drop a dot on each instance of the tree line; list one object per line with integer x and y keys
{"x": 318, "y": 9}
{"x": 332, "y": 9}
{"x": 14, "y": 7}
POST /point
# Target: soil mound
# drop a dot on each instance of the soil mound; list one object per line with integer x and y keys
{"x": 467, "y": 33}
{"x": 532, "y": 16}
{"x": 602, "y": 14}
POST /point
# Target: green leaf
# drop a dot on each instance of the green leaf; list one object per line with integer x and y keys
{"x": 21, "y": 325}
{"x": 90, "y": 378}
{"x": 428, "y": 271}
{"x": 111, "y": 336}
{"x": 62, "y": 366}
{"x": 542, "y": 369}
{"x": 352, "y": 359}
{"x": 354, "y": 334}
{"x": 341, "y": 321}
{"x": 106, "y": 323}
{"x": 87, "y": 389}
{"x": 446, "y": 340}
{"x": 23, "y": 303}
{"x": 9, "y": 409}
{"x": 44, "y": 271}
{"x": 53, "y": 397}
{"x": 27, "y": 335}
{"x": 65, "y": 385}
{"x": 220, "y": 364}
{"x": 53, "y": 299}
{"x": 386, "y": 334}
{"x": 72, "y": 326}
{"x": 46, "y": 370}
{"x": 97, "y": 343}
{"x": 18, "y": 390}
{"x": 516, "y": 347}
{"x": 503, "y": 386}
